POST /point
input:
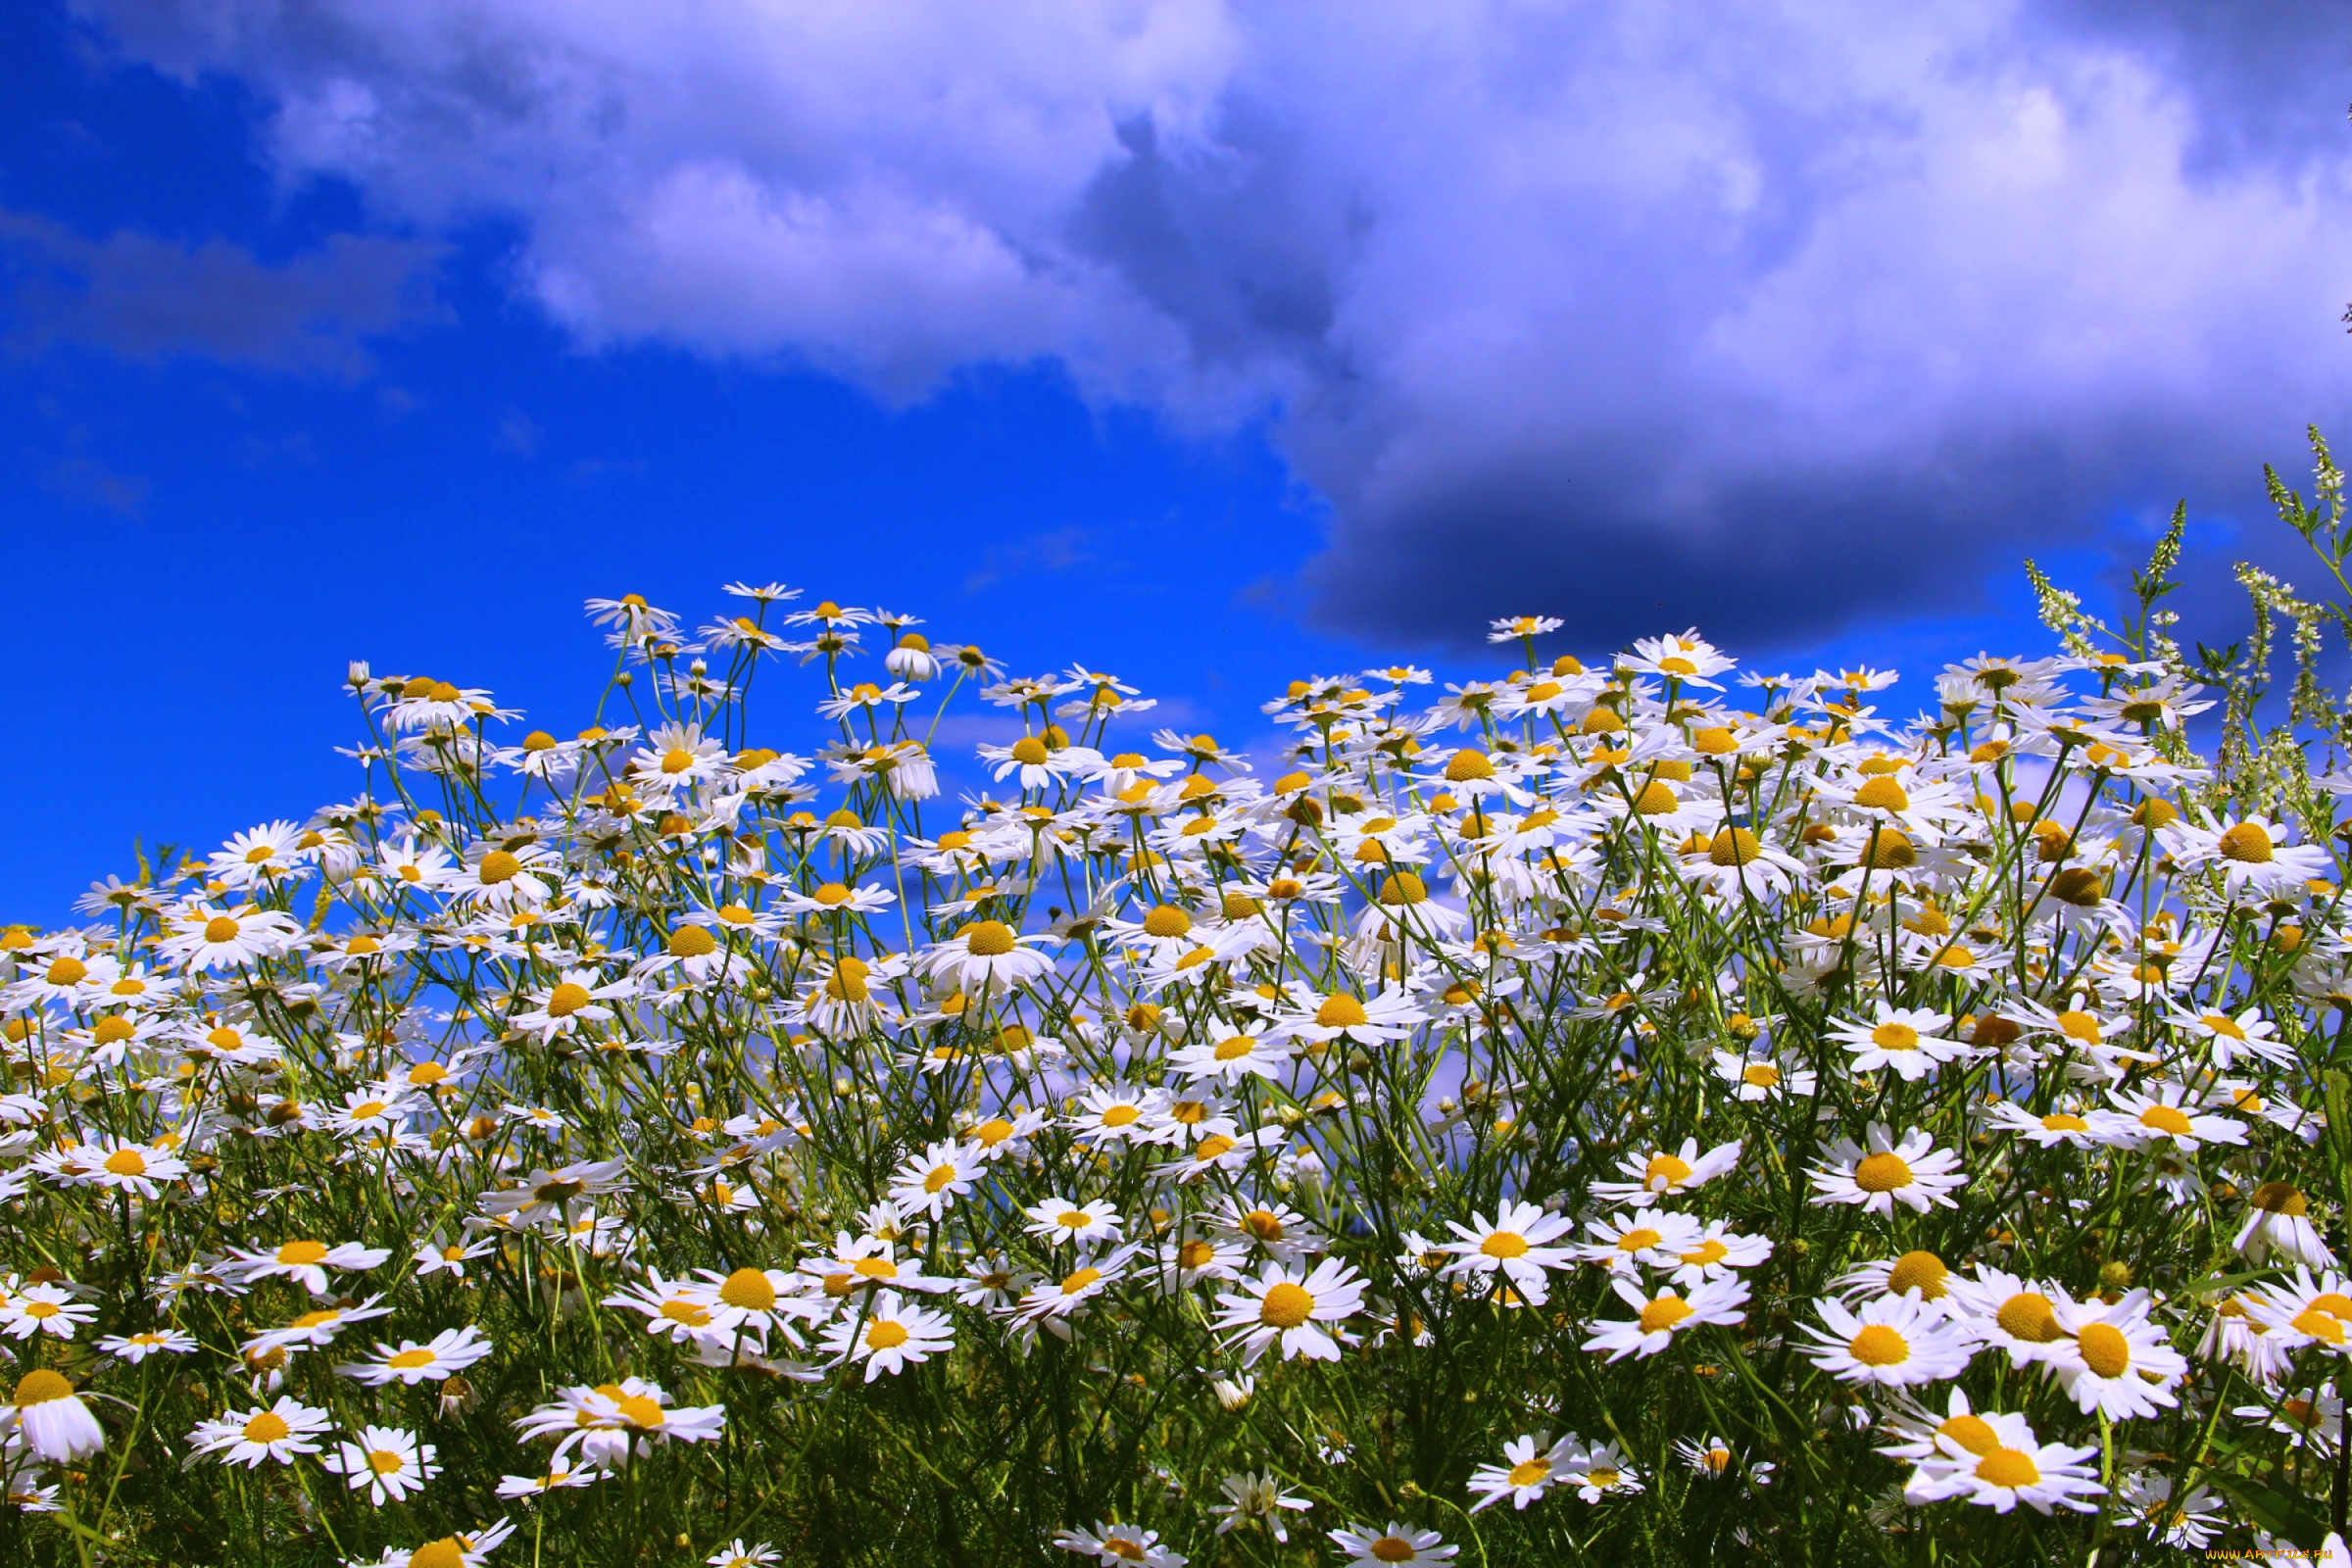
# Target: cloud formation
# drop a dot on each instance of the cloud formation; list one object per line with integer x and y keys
{"x": 1766, "y": 314}
{"x": 146, "y": 298}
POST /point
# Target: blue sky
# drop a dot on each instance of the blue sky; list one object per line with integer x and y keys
{"x": 1186, "y": 339}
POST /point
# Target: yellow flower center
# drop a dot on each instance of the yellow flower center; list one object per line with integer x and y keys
{"x": 567, "y": 998}
{"x": 1656, "y": 799}
{"x": 748, "y": 1290}
{"x": 1079, "y": 1278}
{"x": 267, "y": 1426}
{"x": 127, "y": 1163}
{"x": 2280, "y": 1198}
{"x": 1881, "y": 1173}
{"x": 2007, "y": 1467}
{"x": 988, "y": 938}
{"x": 221, "y": 928}
{"x": 497, "y": 866}
{"x": 40, "y": 1386}
{"x": 1286, "y": 1306}
{"x": 301, "y": 1254}
{"x": 1664, "y": 1171}
{"x": 2248, "y": 843}
{"x": 1527, "y": 1472}
{"x": 692, "y": 941}
{"x": 885, "y": 1335}
{"x": 2104, "y": 1349}
{"x": 67, "y": 970}
{"x": 1883, "y": 794}
{"x": 1710, "y": 1251}
{"x": 1878, "y": 1346}
{"x": 1342, "y": 1011}
{"x": 1166, "y": 920}
{"x": 2060, "y": 1121}
{"x": 1894, "y": 1037}
{"x": 1761, "y": 1074}
{"x": 1922, "y": 1272}
{"x": 409, "y": 1360}
{"x": 1972, "y": 1433}
{"x": 1733, "y": 846}
{"x": 1664, "y": 1314}
{"x": 2168, "y": 1120}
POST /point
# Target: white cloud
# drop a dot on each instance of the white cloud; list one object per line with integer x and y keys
{"x": 1590, "y": 303}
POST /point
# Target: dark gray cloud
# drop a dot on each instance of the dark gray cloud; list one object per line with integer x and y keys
{"x": 1762, "y": 316}
{"x": 147, "y": 298}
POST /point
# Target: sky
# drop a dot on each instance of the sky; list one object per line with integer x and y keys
{"x": 1207, "y": 342}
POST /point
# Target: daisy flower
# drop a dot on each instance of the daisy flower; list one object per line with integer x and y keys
{"x": 1256, "y": 1499}
{"x": 1662, "y": 1174}
{"x": 42, "y": 1309}
{"x": 735, "y": 1554}
{"x": 127, "y": 1166}
{"x": 1060, "y": 1219}
{"x": 1715, "y": 1252}
{"x": 389, "y": 1464}
{"x": 247, "y": 1437}
{"x": 2142, "y": 1120}
{"x": 1530, "y": 1465}
{"x": 50, "y": 1417}
{"x": 2278, "y": 1219}
{"x": 1913, "y": 1172}
{"x": 1398, "y": 1547}
{"x": 1906, "y": 1039}
{"x": 1759, "y": 1074}
{"x": 1233, "y": 1058}
{"x": 1389, "y": 1015}
{"x": 305, "y": 1262}
{"x": 1999, "y": 1463}
{"x": 1050, "y": 1303}
{"x": 2002, "y": 1309}
{"x": 1599, "y": 1470}
{"x": 1894, "y": 1342}
{"x": 2227, "y": 1038}
{"x": 1621, "y": 1242}
{"x": 2308, "y": 1310}
{"x": 137, "y": 1348}
{"x": 1916, "y": 1270}
{"x": 2046, "y": 1131}
{"x": 1284, "y": 1308}
{"x": 1659, "y": 1318}
{"x": 2114, "y": 1359}
{"x": 449, "y": 1352}
{"x": 1120, "y": 1546}
{"x": 1515, "y": 1245}
{"x": 987, "y": 955}
{"x": 928, "y": 1182}
{"x": 889, "y": 1335}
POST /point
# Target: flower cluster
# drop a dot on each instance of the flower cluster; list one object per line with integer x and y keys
{"x": 1851, "y": 1127}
